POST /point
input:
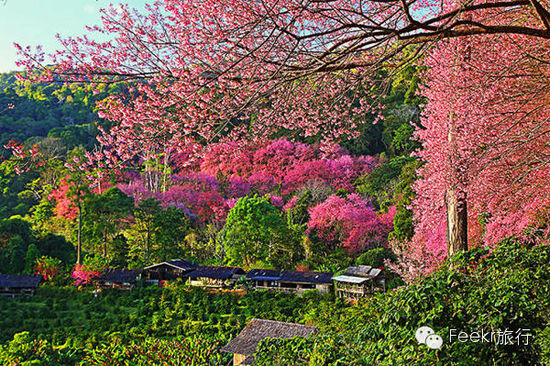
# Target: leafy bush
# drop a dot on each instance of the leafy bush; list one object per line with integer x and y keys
{"x": 24, "y": 350}
{"x": 184, "y": 351}
{"x": 375, "y": 257}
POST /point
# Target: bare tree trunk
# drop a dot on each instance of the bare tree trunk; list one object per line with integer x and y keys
{"x": 306, "y": 244}
{"x": 147, "y": 247}
{"x": 79, "y": 241}
{"x": 456, "y": 198}
{"x": 457, "y": 221}
{"x": 104, "y": 244}
{"x": 457, "y": 208}
{"x": 100, "y": 191}
{"x": 165, "y": 171}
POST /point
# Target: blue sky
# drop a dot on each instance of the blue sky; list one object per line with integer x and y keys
{"x": 36, "y": 22}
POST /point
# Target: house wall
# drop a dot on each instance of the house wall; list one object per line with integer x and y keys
{"x": 238, "y": 360}
{"x": 323, "y": 288}
{"x": 208, "y": 282}
{"x": 293, "y": 287}
{"x": 352, "y": 291}
{"x": 13, "y": 292}
{"x": 115, "y": 285}
{"x": 163, "y": 273}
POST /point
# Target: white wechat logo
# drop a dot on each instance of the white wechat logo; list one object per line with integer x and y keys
{"x": 426, "y": 335}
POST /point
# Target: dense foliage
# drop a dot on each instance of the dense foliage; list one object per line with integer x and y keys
{"x": 64, "y": 114}
{"x": 71, "y": 325}
{"x": 63, "y": 325}
{"x": 508, "y": 289}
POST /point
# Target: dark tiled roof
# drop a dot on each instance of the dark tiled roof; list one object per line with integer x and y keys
{"x": 215, "y": 272}
{"x": 289, "y": 276}
{"x": 257, "y": 329}
{"x": 19, "y": 281}
{"x": 119, "y": 275}
{"x": 178, "y": 263}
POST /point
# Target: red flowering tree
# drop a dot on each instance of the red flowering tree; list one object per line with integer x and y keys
{"x": 82, "y": 275}
{"x": 48, "y": 267}
{"x": 64, "y": 205}
{"x": 26, "y": 158}
{"x": 69, "y": 195}
{"x": 284, "y": 165}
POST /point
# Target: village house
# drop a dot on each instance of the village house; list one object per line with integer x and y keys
{"x": 167, "y": 271}
{"x": 120, "y": 279}
{"x": 215, "y": 276}
{"x": 290, "y": 281}
{"x": 15, "y": 284}
{"x": 244, "y": 345}
{"x": 359, "y": 281}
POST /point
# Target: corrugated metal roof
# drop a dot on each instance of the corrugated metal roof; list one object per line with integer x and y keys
{"x": 350, "y": 279}
{"x": 363, "y": 271}
{"x": 266, "y": 278}
{"x": 119, "y": 275}
{"x": 359, "y": 271}
{"x": 375, "y": 272}
{"x": 289, "y": 276}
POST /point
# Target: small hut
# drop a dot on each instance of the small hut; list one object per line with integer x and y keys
{"x": 359, "y": 281}
{"x": 120, "y": 279}
{"x": 167, "y": 271}
{"x": 15, "y": 284}
{"x": 290, "y": 281}
{"x": 215, "y": 276}
{"x": 244, "y": 345}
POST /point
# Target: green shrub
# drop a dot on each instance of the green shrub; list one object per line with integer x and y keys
{"x": 543, "y": 341}
{"x": 24, "y": 350}
{"x": 375, "y": 257}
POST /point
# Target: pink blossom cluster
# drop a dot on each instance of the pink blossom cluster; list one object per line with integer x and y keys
{"x": 285, "y": 164}
{"x": 228, "y": 171}
{"x": 82, "y": 275}
{"x": 351, "y": 221}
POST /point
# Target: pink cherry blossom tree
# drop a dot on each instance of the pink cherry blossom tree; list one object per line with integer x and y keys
{"x": 350, "y": 222}
{"x": 494, "y": 102}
